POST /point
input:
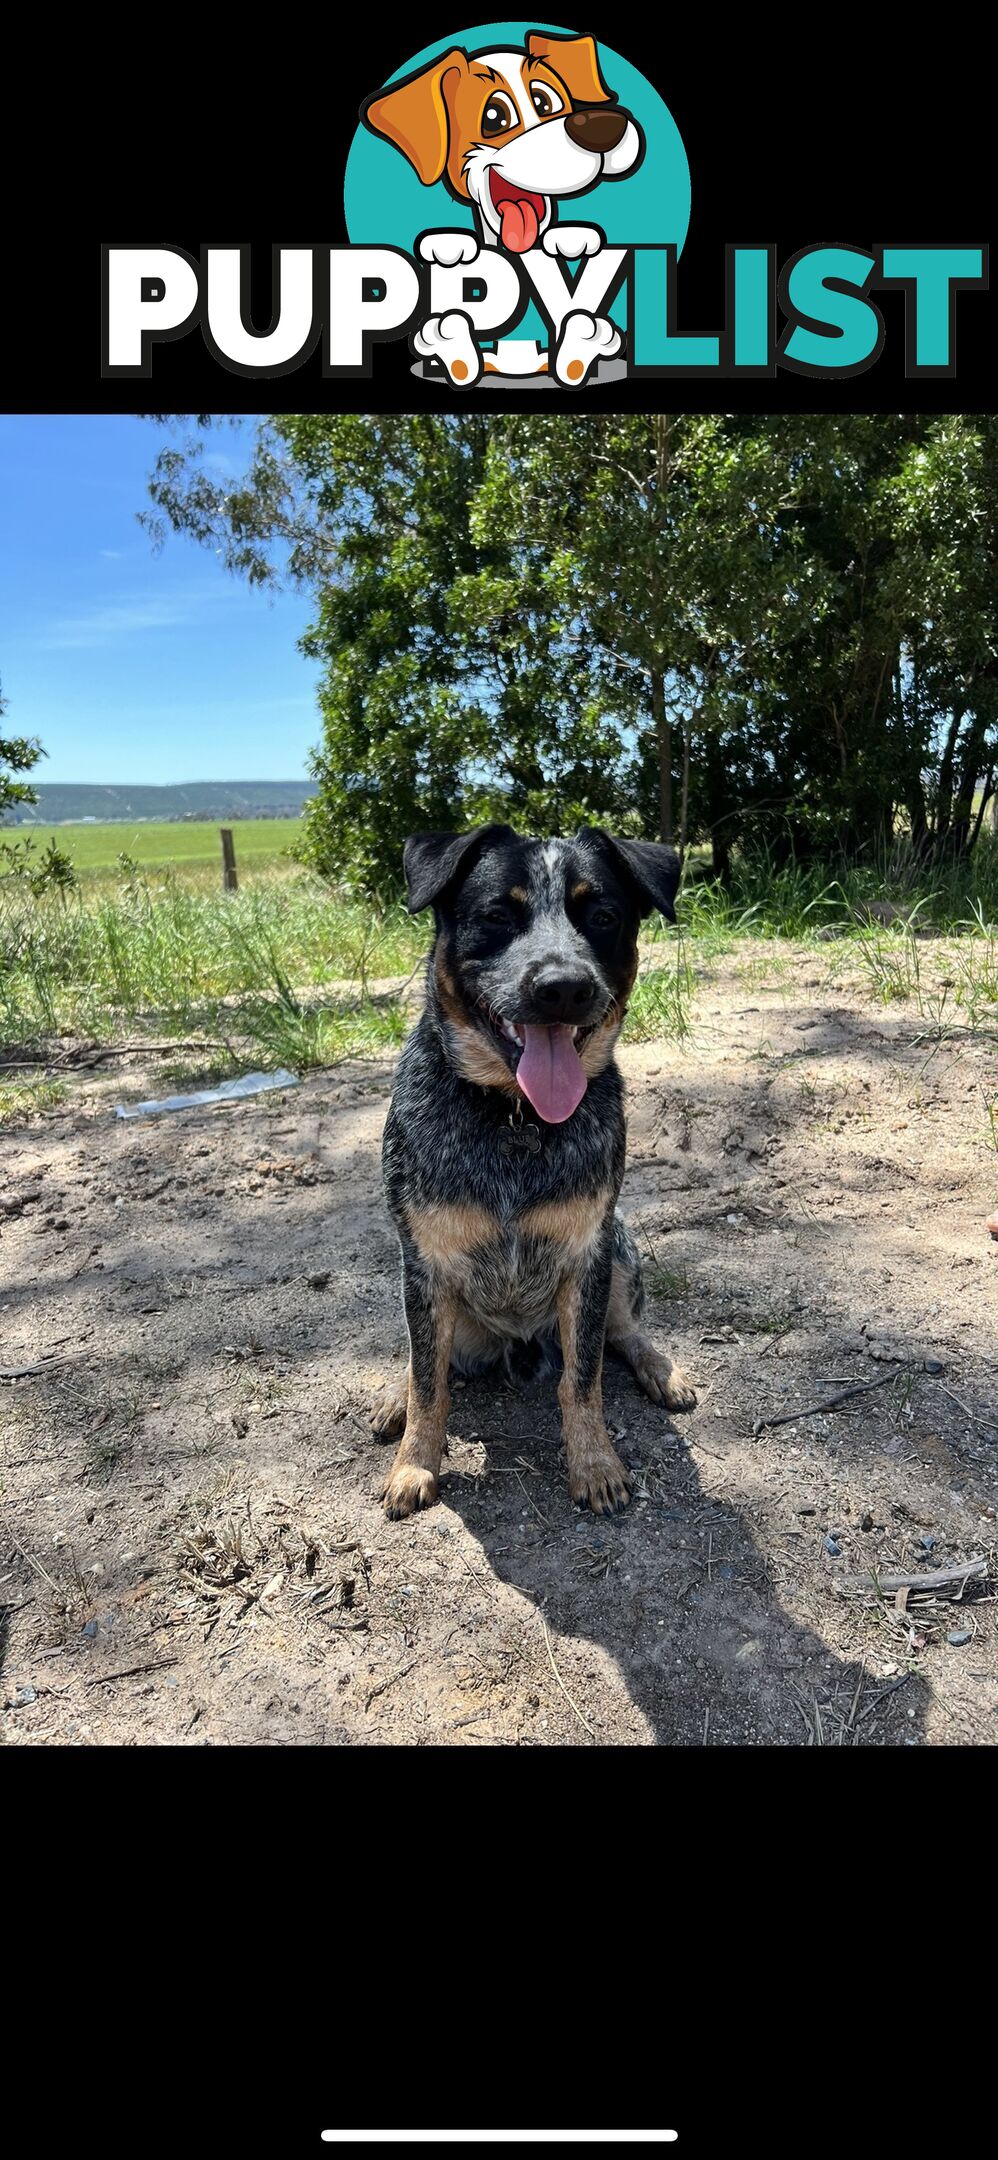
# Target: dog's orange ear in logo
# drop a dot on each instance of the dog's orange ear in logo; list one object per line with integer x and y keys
{"x": 575, "y": 60}
{"x": 413, "y": 115}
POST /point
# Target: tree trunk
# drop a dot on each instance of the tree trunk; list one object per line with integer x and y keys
{"x": 685, "y": 805}
{"x": 663, "y": 737}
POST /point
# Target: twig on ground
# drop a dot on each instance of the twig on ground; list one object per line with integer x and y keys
{"x": 572, "y": 1705}
{"x": 831, "y": 1402}
{"x": 882, "y": 1697}
{"x": 36, "y": 1564}
{"x": 29, "y": 1372}
{"x": 383, "y": 1685}
{"x": 939, "y": 1581}
{"x": 129, "y": 1672}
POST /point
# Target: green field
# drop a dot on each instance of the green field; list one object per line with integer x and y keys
{"x": 260, "y": 843}
{"x": 288, "y": 971}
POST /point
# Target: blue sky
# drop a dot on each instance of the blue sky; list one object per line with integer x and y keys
{"x": 133, "y": 666}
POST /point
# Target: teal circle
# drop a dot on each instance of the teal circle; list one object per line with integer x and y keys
{"x": 384, "y": 200}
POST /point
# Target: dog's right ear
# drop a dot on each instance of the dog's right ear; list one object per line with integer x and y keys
{"x": 413, "y": 115}
{"x": 433, "y": 860}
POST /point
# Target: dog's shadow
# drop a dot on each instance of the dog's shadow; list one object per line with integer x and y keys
{"x": 695, "y": 1643}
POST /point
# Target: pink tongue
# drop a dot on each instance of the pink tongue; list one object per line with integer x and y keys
{"x": 550, "y": 1073}
{"x": 520, "y": 226}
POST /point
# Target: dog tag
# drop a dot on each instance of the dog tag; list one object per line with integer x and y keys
{"x": 518, "y": 1138}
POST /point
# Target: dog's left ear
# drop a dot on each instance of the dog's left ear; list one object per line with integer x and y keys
{"x": 433, "y": 860}
{"x": 651, "y": 867}
{"x": 576, "y": 61}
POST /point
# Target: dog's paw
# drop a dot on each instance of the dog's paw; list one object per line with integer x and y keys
{"x": 448, "y": 338}
{"x": 406, "y": 1488}
{"x": 600, "y": 1482}
{"x": 662, "y": 1381}
{"x": 388, "y": 1414}
{"x": 572, "y": 241}
{"x": 585, "y": 339}
{"x": 449, "y": 248}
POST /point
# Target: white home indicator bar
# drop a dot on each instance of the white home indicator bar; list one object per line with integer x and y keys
{"x": 500, "y": 2137}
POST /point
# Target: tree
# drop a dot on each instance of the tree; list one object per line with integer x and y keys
{"x": 18, "y": 754}
{"x": 776, "y": 630}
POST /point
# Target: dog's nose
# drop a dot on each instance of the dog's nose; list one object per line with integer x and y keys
{"x": 597, "y": 127}
{"x": 560, "y": 994}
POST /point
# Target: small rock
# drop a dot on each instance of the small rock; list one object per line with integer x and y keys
{"x": 958, "y": 1637}
{"x": 24, "y": 1695}
{"x": 933, "y": 1365}
{"x": 807, "y": 1511}
{"x": 928, "y": 1544}
{"x": 867, "y": 1522}
{"x": 833, "y": 1549}
{"x": 90, "y": 1630}
{"x": 992, "y": 1224}
{"x": 319, "y": 1281}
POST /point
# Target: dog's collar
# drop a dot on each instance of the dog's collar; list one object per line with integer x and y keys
{"x": 522, "y": 1136}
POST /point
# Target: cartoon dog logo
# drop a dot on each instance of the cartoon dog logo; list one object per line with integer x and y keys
{"x": 513, "y": 133}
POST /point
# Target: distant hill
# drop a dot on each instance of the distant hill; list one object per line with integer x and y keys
{"x": 198, "y": 799}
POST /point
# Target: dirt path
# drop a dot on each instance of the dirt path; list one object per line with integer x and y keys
{"x": 190, "y": 1544}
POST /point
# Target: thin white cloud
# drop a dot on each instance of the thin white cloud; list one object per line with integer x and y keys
{"x": 110, "y": 554}
{"x": 113, "y": 622}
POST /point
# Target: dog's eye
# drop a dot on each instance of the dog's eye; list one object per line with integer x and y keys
{"x": 497, "y": 914}
{"x": 545, "y": 102}
{"x": 603, "y": 917}
{"x": 498, "y": 116}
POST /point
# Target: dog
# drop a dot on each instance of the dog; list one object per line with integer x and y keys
{"x": 504, "y": 1144}
{"x": 512, "y": 132}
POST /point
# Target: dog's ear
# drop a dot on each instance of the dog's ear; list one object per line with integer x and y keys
{"x": 433, "y": 860}
{"x": 651, "y": 867}
{"x": 413, "y": 115}
{"x": 576, "y": 61}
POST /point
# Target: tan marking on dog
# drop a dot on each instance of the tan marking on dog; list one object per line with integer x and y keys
{"x": 581, "y": 890}
{"x": 574, "y": 1223}
{"x": 516, "y": 892}
{"x": 473, "y": 1056}
{"x": 412, "y": 1480}
{"x": 597, "y": 1051}
{"x": 444, "y": 1234}
{"x": 595, "y": 1471}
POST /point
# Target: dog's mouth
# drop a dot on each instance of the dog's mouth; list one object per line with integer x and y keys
{"x": 519, "y": 211}
{"x": 546, "y": 1061}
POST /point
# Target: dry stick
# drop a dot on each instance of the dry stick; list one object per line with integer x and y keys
{"x": 938, "y": 1579}
{"x": 831, "y": 1402}
{"x": 574, "y": 1706}
{"x": 882, "y": 1697}
{"x": 128, "y": 1672}
{"x": 36, "y": 1564}
{"x": 28, "y": 1372}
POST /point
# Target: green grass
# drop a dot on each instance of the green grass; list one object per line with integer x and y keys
{"x": 183, "y": 848}
{"x": 283, "y": 972}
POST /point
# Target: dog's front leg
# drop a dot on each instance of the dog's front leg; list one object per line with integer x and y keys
{"x": 431, "y": 1313}
{"x": 595, "y": 1471}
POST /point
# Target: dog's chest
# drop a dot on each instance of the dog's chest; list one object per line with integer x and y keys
{"x": 507, "y": 1269}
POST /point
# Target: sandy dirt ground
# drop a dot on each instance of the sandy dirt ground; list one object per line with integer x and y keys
{"x": 191, "y": 1546}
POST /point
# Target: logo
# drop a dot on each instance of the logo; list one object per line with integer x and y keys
{"x": 516, "y": 204}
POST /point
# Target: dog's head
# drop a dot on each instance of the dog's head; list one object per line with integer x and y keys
{"x": 511, "y": 130}
{"x": 536, "y": 951}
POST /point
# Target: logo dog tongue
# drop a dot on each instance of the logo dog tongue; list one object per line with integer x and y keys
{"x": 550, "y": 1073}
{"x": 519, "y": 225}
{"x": 520, "y": 214}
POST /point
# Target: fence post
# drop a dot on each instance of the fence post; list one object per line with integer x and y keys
{"x": 230, "y": 882}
